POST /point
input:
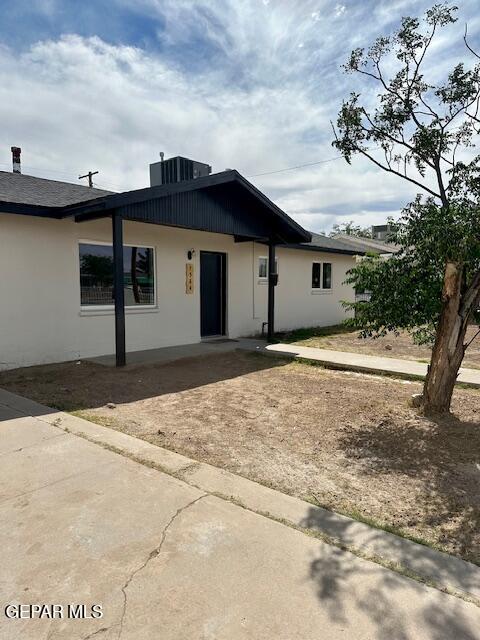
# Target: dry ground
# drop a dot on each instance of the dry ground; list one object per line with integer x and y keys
{"x": 348, "y": 441}
{"x": 390, "y": 346}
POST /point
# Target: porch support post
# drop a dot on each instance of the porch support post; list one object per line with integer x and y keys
{"x": 118, "y": 289}
{"x": 272, "y": 281}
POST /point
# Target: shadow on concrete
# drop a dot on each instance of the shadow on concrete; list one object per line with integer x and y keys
{"x": 331, "y": 572}
{"x": 84, "y": 385}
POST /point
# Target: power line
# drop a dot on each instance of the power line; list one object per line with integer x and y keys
{"x": 52, "y": 171}
{"x": 298, "y": 166}
{"x": 254, "y": 175}
{"x": 55, "y": 172}
{"x": 301, "y": 166}
{"x": 107, "y": 186}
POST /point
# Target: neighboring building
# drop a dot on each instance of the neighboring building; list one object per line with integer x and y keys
{"x": 87, "y": 272}
{"x": 379, "y": 245}
{"x": 381, "y": 232}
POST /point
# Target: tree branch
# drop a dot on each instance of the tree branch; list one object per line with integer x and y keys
{"x": 467, "y": 45}
{"x": 470, "y": 297}
{"x": 398, "y": 173}
{"x": 401, "y": 141}
{"x": 470, "y": 341}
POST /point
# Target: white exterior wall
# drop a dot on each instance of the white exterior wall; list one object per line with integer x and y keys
{"x": 296, "y": 303}
{"x": 40, "y": 315}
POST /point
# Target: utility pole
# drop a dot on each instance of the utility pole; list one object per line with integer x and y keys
{"x": 89, "y": 176}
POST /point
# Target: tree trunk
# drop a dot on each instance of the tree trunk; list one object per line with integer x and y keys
{"x": 449, "y": 347}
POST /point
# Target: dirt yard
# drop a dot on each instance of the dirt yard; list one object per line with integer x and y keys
{"x": 389, "y": 346}
{"x": 346, "y": 441}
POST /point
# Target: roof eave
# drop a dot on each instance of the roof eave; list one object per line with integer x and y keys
{"x": 40, "y": 211}
{"x": 311, "y": 247}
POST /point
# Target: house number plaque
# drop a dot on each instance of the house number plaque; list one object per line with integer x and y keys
{"x": 189, "y": 278}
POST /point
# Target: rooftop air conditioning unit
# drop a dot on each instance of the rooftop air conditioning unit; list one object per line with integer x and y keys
{"x": 177, "y": 169}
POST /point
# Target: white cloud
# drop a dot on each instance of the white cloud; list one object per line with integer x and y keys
{"x": 261, "y": 99}
{"x": 78, "y": 103}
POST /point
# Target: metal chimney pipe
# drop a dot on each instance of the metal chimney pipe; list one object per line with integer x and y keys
{"x": 16, "y": 151}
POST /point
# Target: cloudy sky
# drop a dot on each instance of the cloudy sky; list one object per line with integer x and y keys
{"x": 245, "y": 84}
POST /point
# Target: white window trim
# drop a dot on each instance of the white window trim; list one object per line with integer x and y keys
{"x": 321, "y": 290}
{"x": 104, "y": 310}
{"x": 264, "y": 279}
{"x": 96, "y": 309}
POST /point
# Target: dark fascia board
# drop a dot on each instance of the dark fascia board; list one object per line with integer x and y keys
{"x": 117, "y": 200}
{"x": 239, "y": 239}
{"x": 311, "y": 247}
{"x": 30, "y": 210}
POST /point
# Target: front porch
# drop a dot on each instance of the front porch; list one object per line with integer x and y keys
{"x": 164, "y": 355}
{"x": 224, "y": 204}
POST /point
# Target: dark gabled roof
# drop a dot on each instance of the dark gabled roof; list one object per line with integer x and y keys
{"x": 327, "y": 244}
{"x": 19, "y": 188}
{"x": 140, "y": 197}
{"x": 220, "y": 203}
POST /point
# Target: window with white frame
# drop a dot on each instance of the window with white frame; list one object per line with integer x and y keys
{"x": 263, "y": 267}
{"x": 321, "y": 276}
{"x": 96, "y": 275}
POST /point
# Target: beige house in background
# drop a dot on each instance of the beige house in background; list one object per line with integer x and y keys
{"x": 87, "y": 272}
{"x": 377, "y": 244}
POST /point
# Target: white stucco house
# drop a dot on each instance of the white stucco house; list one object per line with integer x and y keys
{"x": 86, "y": 272}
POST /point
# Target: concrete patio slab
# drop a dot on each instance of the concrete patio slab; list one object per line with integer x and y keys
{"x": 166, "y": 560}
{"x": 361, "y": 362}
{"x": 170, "y": 354}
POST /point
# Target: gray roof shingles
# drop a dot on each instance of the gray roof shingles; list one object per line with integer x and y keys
{"x": 30, "y": 190}
{"x": 368, "y": 245}
{"x": 326, "y": 242}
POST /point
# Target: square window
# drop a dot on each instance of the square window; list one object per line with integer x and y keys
{"x": 96, "y": 275}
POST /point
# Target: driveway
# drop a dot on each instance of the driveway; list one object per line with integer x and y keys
{"x": 83, "y": 525}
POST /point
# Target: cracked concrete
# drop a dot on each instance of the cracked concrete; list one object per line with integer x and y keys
{"x": 82, "y": 524}
{"x": 153, "y": 554}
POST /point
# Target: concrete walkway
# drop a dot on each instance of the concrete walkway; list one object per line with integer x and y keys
{"x": 89, "y": 523}
{"x": 363, "y": 363}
